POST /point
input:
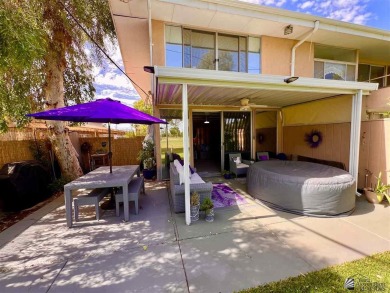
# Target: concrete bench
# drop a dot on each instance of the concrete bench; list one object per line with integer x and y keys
{"x": 89, "y": 197}
{"x": 135, "y": 186}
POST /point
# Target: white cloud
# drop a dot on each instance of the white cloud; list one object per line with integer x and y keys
{"x": 110, "y": 82}
{"x": 354, "y": 11}
{"x": 306, "y": 4}
{"x": 278, "y": 3}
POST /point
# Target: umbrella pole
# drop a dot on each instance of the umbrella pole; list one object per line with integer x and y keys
{"x": 109, "y": 147}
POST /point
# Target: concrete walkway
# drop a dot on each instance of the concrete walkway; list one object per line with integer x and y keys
{"x": 245, "y": 246}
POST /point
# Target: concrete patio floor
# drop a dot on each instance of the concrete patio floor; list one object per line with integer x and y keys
{"x": 245, "y": 246}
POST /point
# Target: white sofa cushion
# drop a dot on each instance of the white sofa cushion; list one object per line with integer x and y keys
{"x": 241, "y": 165}
{"x": 196, "y": 179}
{"x": 180, "y": 170}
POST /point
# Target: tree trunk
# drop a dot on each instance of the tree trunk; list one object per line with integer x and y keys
{"x": 54, "y": 95}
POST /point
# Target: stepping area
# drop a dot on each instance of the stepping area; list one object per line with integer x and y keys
{"x": 246, "y": 245}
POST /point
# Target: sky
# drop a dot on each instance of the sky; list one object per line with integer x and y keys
{"x": 110, "y": 82}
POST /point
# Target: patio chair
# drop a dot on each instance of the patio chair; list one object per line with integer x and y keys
{"x": 237, "y": 165}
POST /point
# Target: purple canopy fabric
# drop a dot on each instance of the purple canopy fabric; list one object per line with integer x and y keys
{"x": 103, "y": 111}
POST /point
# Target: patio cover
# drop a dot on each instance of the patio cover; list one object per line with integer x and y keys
{"x": 197, "y": 87}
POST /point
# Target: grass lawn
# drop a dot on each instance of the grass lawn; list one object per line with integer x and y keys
{"x": 371, "y": 274}
{"x": 176, "y": 143}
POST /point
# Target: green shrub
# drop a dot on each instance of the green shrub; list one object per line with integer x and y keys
{"x": 194, "y": 199}
{"x": 58, "y": 185}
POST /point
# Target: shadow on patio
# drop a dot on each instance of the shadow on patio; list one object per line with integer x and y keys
{"x": 245, "y": 246}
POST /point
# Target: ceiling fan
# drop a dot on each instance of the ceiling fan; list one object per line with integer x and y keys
{"x": 245, "y": 105}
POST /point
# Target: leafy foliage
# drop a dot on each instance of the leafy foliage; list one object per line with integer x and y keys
{"x": 146, "y": 155}
{"x": 58, "y": 185}
{"x": 27, "y": 38}
{"x": 141, "y": 105}
{"x": 381, "y": 188}
{"x": 194, "y": 199}
{"x": 207, "y": 205}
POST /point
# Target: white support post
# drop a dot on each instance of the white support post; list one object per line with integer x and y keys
{"x": 222, "y": 142}
{"x": 186, "y": 154}
{"x": 279, "y": 131}
{"x": 355, "y": 134}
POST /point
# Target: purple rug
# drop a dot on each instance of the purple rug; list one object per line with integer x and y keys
{"x": 224, "y": 196}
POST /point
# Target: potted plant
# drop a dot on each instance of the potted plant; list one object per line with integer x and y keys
{"x": 227, "y": 174}
{"x": 380, "y": 191}
{"x": 208, "y": 207}
{"x": 195, "y": 203}
{"x": 146, "y": 156}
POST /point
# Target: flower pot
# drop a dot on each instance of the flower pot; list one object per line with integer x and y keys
{"x": 372, "y": 196}
{"x": 227, "y": 176}
{"x": 194, "y": 213}
{"x": 148, "y": 174}
{"x": 210, "y": 215}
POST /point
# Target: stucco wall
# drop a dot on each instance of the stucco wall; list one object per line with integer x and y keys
{"x": 332, "y": 117}
{"x": 374, "y": 150}
{"x": 379, "y": 99}
{"x": 334, "y": 147}
{"x": 158, "y": 37}
{"x": 276, "y": 57}
{"x": 134, "y": 46}
{"x": 266, "y": 119}
{"x": 334, "y": 110}
{"x": 266, "y": 126}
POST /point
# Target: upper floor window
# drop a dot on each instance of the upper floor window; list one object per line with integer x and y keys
{"x": 209, "y": 50}
{"x": 334, "y": 63}
{"x": 374, "y": 73}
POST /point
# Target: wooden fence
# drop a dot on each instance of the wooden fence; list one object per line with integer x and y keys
{"x": 125, "y": 150}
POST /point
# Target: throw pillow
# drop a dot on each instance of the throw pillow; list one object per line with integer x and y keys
{"x": 175, "y": 156}
{"x": 191, "y": 170}
{"x": 237, "y": 160}
{"x": 180, "y": 170}
{"x": 264, "y": 158}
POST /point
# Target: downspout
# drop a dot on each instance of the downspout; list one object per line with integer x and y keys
{"x": 150, "y": 45}
{"x": 316, "y": 26}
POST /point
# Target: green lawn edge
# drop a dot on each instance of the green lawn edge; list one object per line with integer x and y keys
{"x": 375, "y": 268}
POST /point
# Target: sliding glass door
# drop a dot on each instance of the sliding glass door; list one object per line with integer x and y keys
{"x": 236, "y": 135}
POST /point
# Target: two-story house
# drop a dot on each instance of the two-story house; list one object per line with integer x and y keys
{"x": 248, "y": 78}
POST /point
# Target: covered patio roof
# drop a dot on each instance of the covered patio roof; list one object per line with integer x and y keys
{"x": 222, "y": 88}
{"x": 183, "y": 87}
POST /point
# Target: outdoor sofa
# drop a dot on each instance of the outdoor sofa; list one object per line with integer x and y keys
{"x": 197, "y": 184}
{"x": 302, "y": 188}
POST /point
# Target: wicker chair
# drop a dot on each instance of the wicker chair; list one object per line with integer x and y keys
{"x": 177, "y": 191}
{"x": 240, "y": 168}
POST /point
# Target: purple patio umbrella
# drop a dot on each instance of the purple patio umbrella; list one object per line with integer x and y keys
{"x": 103, "y": 111}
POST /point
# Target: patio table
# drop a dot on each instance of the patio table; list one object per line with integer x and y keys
{"x": 99, "y": 178}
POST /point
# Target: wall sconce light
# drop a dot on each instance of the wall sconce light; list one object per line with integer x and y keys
{"x": 149, "y": 69}
{"x": 291, "y": 79}
{"x": 288, "y": 30}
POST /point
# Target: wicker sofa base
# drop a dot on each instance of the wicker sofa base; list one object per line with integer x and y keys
{"x": 177, "y": 191}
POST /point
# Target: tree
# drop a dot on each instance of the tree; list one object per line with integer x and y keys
{"x": 142, "y": 130}
{"x": 44, "y": 63}
{"x": 225, "y": 61}
{"x": 175, "y": 131}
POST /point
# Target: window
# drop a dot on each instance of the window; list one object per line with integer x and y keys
{"x": 334, "y": 63}
{"x": 374, "y": 73}
{"x": 254, "y": 55}
{"x": 209, "y": 50}
{"x": 199, "y": 49}
{"x": 173, "y": 46}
